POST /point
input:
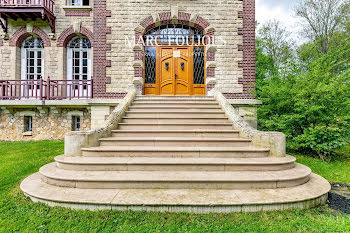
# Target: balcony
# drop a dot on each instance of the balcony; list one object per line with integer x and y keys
{"x": 27, "y": 9}
{"x": 46, "y": 90}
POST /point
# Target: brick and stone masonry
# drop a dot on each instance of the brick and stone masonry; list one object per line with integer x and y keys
{"x": 107, "y": 24}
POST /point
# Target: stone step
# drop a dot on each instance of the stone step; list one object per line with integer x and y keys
{"x": 175, "y": 126}
{"x": 308, "y": 195}
{"x": 176, "y": 142}
{"x": 298, "y": 175}
{"x": 175, "y": 119}
{"x": 174, "y": 98}
{"x": 175, "y": 102}
{"x": 173, "y": 164}
{"x": 176, "y": 152}
{"x": 174, "y": 110}
{"x": 176, "y": 133}
{"x": 177, "y": 107}
{"x": 179, "y": 114}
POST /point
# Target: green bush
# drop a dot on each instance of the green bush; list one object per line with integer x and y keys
{"x": 309, "y": 101}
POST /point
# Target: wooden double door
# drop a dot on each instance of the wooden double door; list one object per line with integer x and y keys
{"x": 174, "y": 73}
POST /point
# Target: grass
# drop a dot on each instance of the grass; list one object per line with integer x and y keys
{"x": 338, "y": 170}
{"x": 17, "y": 213}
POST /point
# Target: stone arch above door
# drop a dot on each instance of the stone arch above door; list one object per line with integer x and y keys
{"x": 173, "y": 17}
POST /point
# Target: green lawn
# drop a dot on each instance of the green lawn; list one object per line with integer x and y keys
{"x": 17, "y": 213}
{"x": 338, "y": 170}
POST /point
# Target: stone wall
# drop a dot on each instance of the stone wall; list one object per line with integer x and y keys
{"x": 222, "y": 15}
{"x": 109, "y": 22}
{"x": 54, "y": 55}
{"x": 51, "y": 126}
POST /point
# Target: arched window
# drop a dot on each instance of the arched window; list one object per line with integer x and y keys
{"x": 32, "y": 65}
{"x": 174, "y": 33}
{"x": 79, "y": 64}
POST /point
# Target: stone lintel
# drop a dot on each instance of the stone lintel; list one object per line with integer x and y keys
{"x": 7, "y": 110}
{"x": 27, "y": 113}
{"x": 241, "y": 102}
{"x": 54, "y": 110}
{"x": 44, "y": 111}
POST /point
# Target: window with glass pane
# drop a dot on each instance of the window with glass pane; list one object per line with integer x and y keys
{"x": 198, "y": 65}
{"x": 80, "y": 50}
{"x": 33, "y": 54}
{"x": 79, "y": 2}
{"x": 150, "y": 65}
{"x": 174, "y": 33}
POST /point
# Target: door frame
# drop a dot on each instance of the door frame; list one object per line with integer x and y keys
{"x": 157, "y": 85}
{"x": 80, "y": 92}
{"x": 32, "y": 87}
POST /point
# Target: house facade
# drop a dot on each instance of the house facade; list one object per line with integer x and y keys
{"x": 66, "y": 64}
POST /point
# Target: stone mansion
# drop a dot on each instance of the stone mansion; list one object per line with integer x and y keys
{"x": 66, "y": 64}
{"x": 155, "y": 100}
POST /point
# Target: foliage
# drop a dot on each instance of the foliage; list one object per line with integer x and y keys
{"x": 322, "y": 18}
{"x": 310, "y": 101}
{"x": 18, "y": 214}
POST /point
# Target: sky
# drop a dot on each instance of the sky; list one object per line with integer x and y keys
{"x": 282, "y": 10}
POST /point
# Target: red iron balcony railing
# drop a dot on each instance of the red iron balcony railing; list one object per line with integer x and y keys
{"x": 46, "y": 90}
{"x": 69, "y": 89}
{"x": 27, "y": 9}
{"x": 46, "y": 4}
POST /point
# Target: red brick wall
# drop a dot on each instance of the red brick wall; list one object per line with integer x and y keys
{"x": 100, "y": 51}
{"x": 21, "y": 34}
{"x": 248, "y": 49}
{"x": 101, "y": 47}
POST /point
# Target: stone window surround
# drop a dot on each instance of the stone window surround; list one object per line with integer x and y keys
{"x": 17, "y": 39}
{"x": 71, "y": 32}
{"x": 174, "y": 17}
{"x": 28, "y": 114}
{"x": 82, "y": 11}
{"x": 24, "y": 32}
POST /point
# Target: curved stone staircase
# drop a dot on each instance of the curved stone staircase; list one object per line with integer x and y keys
{"x": 177, "y": 154}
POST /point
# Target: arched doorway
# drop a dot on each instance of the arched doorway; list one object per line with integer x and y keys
{"x": 174, "y": 60}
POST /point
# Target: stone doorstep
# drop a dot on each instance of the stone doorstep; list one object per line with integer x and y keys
{"x": 310, "y": 194}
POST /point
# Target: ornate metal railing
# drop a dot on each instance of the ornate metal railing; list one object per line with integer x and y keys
{"x": 69, "y": 89}
{"x": 46, "y": 90}
{"x": 21, "y": 89}
{"x": 47, "y": 4}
